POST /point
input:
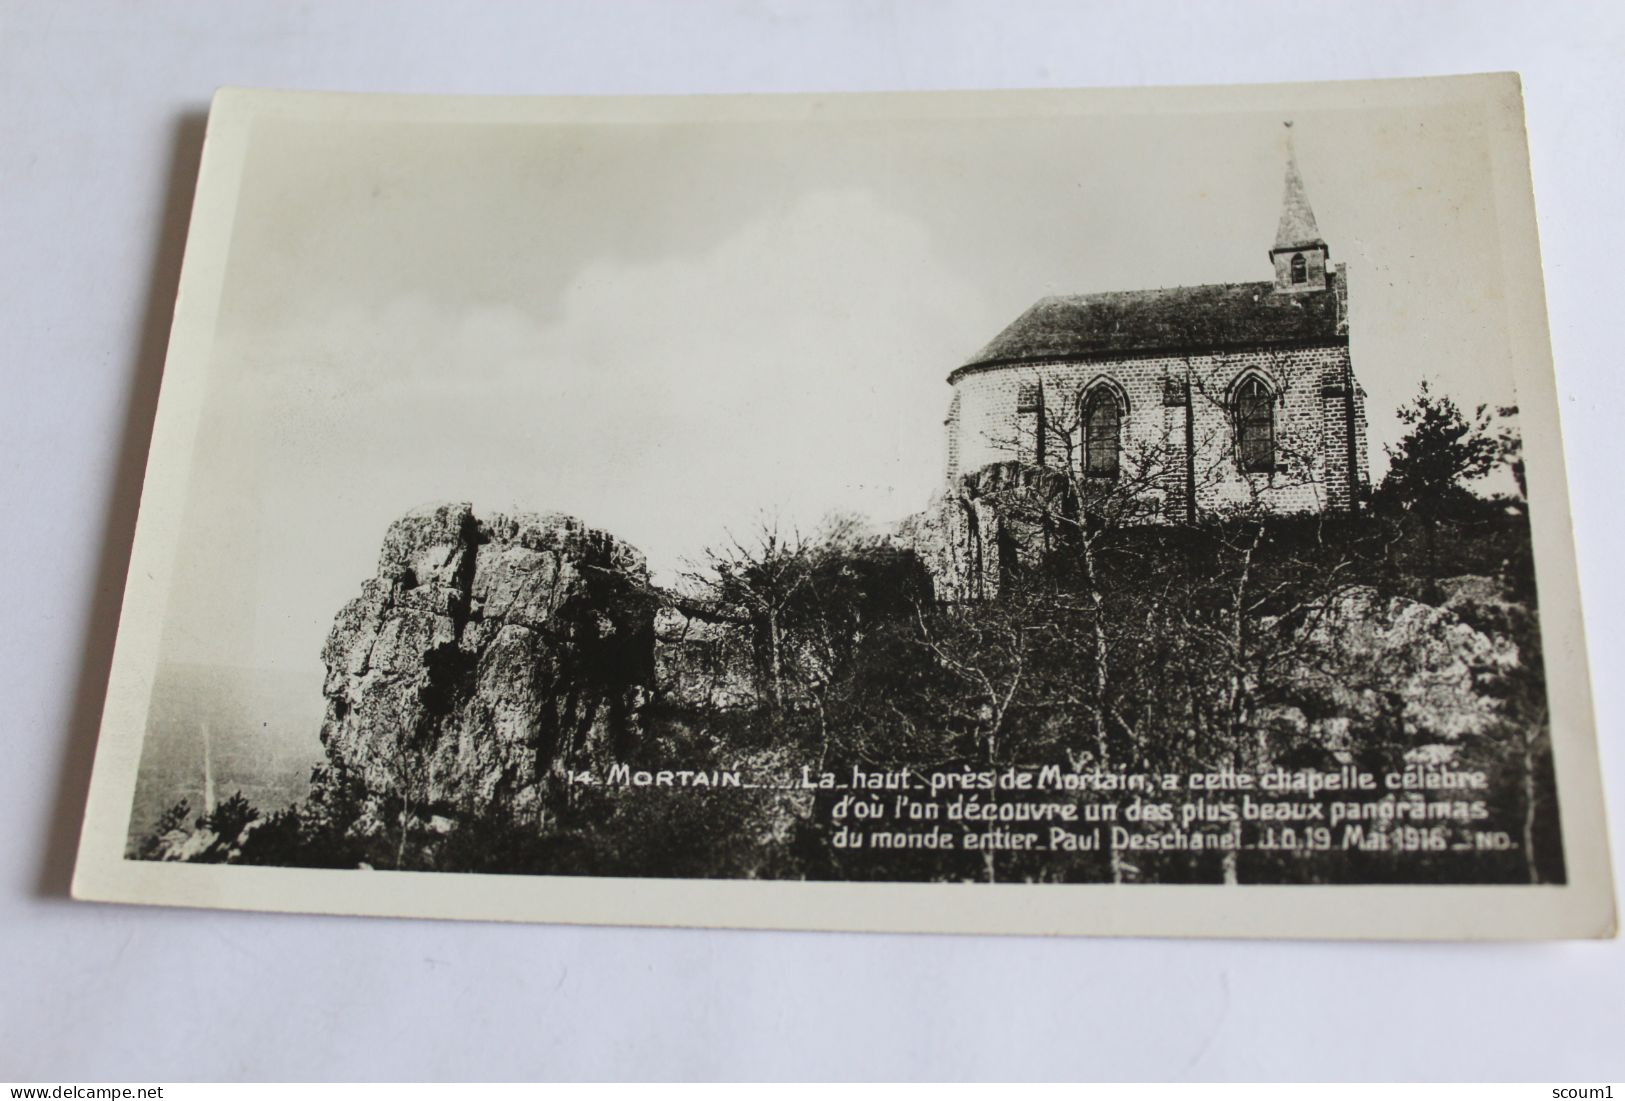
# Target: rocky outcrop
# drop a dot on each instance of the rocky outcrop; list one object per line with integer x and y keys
{"x": 486, "y": 657}
{"x": 1418, "y": 669}
{"x": 701, "y": 664}
{"x": 986, "y": 525}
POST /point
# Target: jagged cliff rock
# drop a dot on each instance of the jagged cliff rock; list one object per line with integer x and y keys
{"x": 988, "y": 523}
{"x": 486, "y": 657}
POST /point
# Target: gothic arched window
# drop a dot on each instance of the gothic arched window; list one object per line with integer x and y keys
{"x": 1102, "y": 432}
{"x": 1300, "y": 269}
{"x": 1255, "y": 427}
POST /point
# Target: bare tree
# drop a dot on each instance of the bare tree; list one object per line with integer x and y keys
{"x": 754, "y": 581}
{"x": 1182, "y": 609}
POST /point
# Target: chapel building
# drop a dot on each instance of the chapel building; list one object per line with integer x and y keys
{"x": 1191, "y": 398}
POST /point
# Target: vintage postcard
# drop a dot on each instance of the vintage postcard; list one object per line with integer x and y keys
{"x": 1126, "y": 512}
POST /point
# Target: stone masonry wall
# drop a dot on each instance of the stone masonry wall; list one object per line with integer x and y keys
{"x": 997, "y": 413}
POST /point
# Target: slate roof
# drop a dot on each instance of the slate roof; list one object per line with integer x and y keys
{"x": 1210, "y": 317}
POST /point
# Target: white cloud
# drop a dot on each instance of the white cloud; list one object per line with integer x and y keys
{"x": 798, "y": 367}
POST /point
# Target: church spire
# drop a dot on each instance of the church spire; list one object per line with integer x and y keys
{"x": 1300, "y": 253}
{"x": 1297, "y": 228}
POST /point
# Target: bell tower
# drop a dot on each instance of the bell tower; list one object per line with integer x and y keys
{"x": 1300, "y": 256}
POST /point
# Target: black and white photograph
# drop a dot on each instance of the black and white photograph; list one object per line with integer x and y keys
{"x": 1041, "y": 490}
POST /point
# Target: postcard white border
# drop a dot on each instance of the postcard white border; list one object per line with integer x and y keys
{"x": 1584, "y": 907}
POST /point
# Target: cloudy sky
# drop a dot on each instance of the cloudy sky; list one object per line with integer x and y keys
{"x": 668, "y": 330}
